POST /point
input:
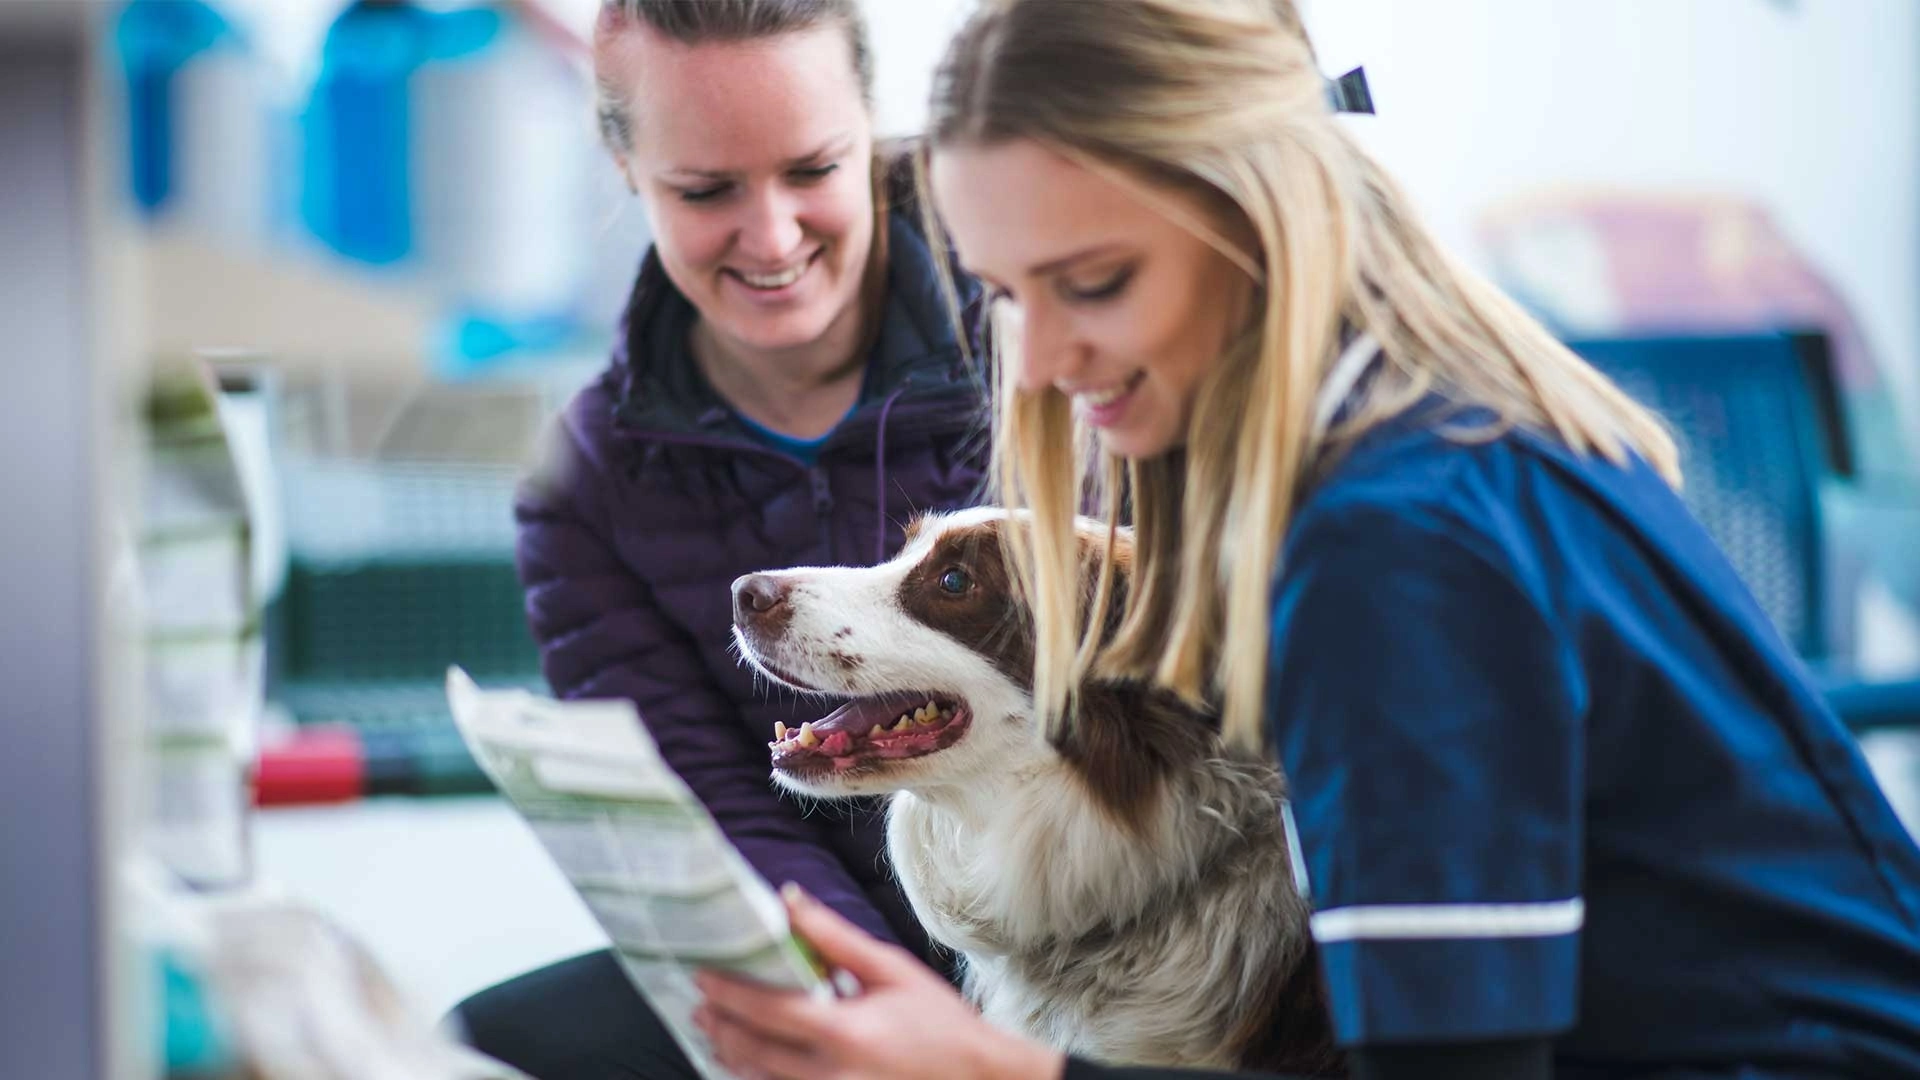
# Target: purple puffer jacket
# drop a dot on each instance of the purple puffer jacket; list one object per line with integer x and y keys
{"x": 652, "y": 498}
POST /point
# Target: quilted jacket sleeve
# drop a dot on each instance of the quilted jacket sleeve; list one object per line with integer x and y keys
{"x": 602, "y": 635}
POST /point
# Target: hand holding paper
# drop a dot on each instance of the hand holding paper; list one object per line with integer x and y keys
{"x": 905, "y": 1022}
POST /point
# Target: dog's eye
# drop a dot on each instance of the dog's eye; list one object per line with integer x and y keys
{"x": 955, "y": 581}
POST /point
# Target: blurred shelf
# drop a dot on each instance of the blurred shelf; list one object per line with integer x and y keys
{"x": 298, "y": 311}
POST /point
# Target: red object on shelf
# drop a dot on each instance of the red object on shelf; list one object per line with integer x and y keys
{"x": 318, "y": 765}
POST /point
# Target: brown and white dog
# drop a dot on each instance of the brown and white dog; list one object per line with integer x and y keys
{"x": 1127, "y": 893}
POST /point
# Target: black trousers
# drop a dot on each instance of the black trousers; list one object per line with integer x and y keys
{"x": 579, "y": 1019}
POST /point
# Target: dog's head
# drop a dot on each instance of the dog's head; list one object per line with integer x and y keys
{"x": 935, "y": 647}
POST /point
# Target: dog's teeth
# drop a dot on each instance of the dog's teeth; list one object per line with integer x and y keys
{"x": 878, "y": 730}
{"x": 779, "y": 731}
{"x": 905, "y": 723}
{"x": 807, "y": 738}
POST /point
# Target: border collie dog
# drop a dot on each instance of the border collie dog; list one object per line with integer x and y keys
{"x": 1126, "y": 892}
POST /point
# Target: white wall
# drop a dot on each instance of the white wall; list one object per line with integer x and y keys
{"x": 908, "y": 37}
{"x": 1812, "y": 106}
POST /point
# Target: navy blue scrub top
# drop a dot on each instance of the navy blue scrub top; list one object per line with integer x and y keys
{"x": 1555, "y": 774}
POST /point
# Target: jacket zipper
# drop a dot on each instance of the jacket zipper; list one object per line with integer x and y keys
{"x": 822, "y": 510}
{"x": 714, "y": 443}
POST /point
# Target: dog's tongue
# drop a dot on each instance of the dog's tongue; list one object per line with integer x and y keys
{"x": 863, "y": 715}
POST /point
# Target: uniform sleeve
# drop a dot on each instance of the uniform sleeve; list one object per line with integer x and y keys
{"x": 602, "y": 634}
{"x": 1429, "y": 716}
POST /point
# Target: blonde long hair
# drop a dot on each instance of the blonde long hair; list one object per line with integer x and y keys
{"x": 1224, "y": 97}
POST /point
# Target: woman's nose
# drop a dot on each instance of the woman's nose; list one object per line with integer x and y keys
{"x": 1048, "y": 354}
{"x": 771, "y": 232}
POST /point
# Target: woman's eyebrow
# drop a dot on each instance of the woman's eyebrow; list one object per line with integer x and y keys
{"x": 1054, "y": 266}
{"x": 834, "y": 146}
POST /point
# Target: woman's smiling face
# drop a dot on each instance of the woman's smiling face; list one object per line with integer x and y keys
{"x": 1120, "y": 306}
{"x": 755, "y": 160}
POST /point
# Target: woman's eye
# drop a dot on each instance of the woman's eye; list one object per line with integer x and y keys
{"x": 815, "y": 174}
{"x": 706, "y": 194}
{"x": 955, "y": 581}
{"x": 1104, "y": 289}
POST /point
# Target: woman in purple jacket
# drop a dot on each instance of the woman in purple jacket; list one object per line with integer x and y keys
{"x": 787, "y": 389}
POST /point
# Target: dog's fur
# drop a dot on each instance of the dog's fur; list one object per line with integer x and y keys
{"x": 1126, "y": 894}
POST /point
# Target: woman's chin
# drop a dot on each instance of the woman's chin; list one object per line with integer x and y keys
{"x": 1137, "y": 442}
{"x": 784, "y": 331}
{"x": 783, "y": 327}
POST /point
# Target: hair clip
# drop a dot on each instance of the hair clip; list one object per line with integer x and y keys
{"x": 1350, "y": 94}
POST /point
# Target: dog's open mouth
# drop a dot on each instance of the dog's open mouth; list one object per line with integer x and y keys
{"x": 871, "y": 730}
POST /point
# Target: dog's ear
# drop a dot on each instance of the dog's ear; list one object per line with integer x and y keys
{"x": 1126, "y": 739}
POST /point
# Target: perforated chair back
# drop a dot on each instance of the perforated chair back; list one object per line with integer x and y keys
{"x": 1743, "y": 412}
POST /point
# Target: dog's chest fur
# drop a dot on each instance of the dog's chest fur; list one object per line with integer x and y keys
{"x": 1179, "y": 943}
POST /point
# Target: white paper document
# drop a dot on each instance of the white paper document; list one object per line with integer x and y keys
{"x": 671, "y": 891}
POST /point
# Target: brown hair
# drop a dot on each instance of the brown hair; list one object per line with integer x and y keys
{"x": 696, "y": 22}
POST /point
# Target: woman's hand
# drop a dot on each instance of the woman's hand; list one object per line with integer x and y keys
{"x": 905, "y": 1024}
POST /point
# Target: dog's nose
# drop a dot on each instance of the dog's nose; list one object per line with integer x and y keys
{"x": 757, "y": 594}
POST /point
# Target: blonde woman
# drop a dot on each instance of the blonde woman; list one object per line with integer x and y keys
{"x": 1566, "y": 803}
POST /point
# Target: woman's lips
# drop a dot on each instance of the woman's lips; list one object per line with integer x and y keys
{"x": 1107, "y": 407}
{"x": 775, "y": 286}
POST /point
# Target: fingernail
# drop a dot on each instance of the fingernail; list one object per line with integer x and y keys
{"x": 792, "y": 893}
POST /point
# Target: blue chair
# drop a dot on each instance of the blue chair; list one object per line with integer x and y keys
{"x": 1770, "y": 473}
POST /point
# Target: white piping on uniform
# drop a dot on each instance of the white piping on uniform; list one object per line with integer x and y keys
{"x": 1415, "y": 922}
{"x": 1300, "y": 882}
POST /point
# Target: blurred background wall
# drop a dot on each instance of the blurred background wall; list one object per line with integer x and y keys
{"x": 1808, "y": 110}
